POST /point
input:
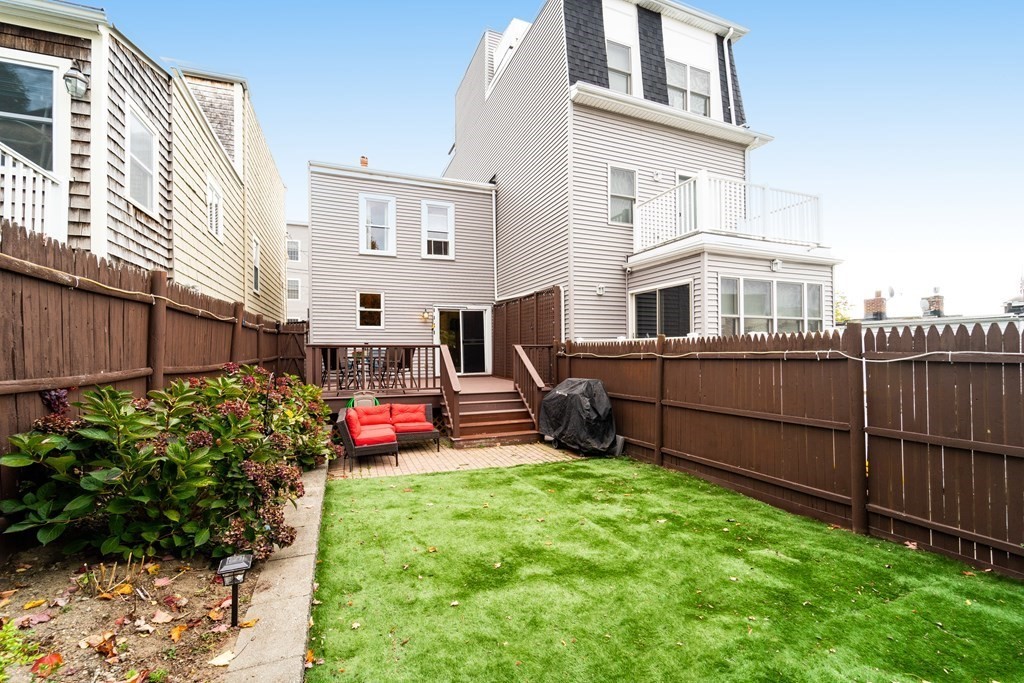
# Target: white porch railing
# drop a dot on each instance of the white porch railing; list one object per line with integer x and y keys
{"x": 30, "y": 196}
{"x": 711, "y": 203}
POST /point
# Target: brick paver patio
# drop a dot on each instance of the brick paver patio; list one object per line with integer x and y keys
{"x": 420, "y": 459}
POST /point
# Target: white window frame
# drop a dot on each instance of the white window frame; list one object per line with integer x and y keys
{"x": 298, "y": 289}
{"x": 298, "y": 251}
{"x": 133, "y": 110}
{"x": 688, "y": 92}
{"x": 424, "y": 208}
{"x": 654, "y": 288}
{"x": 214, "y": 198}
{"x": 359, "y": 309}
{"x": 60, "y": 119}
{"x": 636, "y": 178}
{"x": 627, "y": 74}
{"x": 256, "y": 265}
{"x": 364, "y": 246}
{"x": 741, "y": 313}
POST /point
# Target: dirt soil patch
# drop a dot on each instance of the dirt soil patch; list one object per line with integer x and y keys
{"x": 158, "y": 621}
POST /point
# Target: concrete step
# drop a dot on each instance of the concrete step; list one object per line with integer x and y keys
{"x": 518, "y": 413}
{"x": 505, "y": 439}
{"x": 496, "y": 427}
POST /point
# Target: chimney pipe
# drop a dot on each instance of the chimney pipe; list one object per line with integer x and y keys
{"x": 364, "y": 162}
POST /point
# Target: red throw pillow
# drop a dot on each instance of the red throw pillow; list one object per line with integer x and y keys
{"x": 408, "y": 413}
{"x": 352, "y": 420}
{"x": 374, "y": 415}
{"x": 373, "y": 436}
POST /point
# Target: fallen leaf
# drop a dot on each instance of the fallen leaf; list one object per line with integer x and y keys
{"x": 249, "y": 624}
{"x": 30, "y": 620}
{"x": 142, "y": 627}
{"x": 219, "y": 628}
{"x": 910, "y": 544}
{"x": 177, "y": 631}
{"x": 355, "y": 625}
{"x": 497, "y": 565}
{"x": 7, "y": 594}
{"x": 57, "y": 602}
{"x": 161, "y": 617}
{"x": 309, "y": 657}
{"x": 5, "y": 602}
{"x": 22, "y": 568}
{"x": 662, "y": 521}
{"x": 194, "y": 622}
{"x": 104, "y": 596}
{"x": 139, "y": 677}
{"x": 108, "y": 646}
{"x": 47, "y": 664}
{"x": 124, "y": 589}
{"x": 455, "y": 603}
{"x": 91, "y": 641}
{"x": 404, "y": 567}
{"x": 152, "y": 569}
{"x": 431, "y": 549}
{"x": 34, "y": 603}
{"x": 733, "y": 578}
{"x": 968, "y": 602}
{"x": 215, "y": 615}
{"x": 223, "y": 659}
{"x": 161, "y": 582}
{"x": 967, "y": 573}
{"x": 540, "y": 519}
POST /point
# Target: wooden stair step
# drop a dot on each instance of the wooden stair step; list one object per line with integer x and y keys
{"x": 496, "y": 427}
{"x": 472, "y": 406}
{"x": 519, "y": 413}
{"x": 506, "y": 438}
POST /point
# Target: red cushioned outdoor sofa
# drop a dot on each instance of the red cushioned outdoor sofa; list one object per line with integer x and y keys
{"x": 377, "y": 430}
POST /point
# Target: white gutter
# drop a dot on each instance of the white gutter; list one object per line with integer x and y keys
{"x": 728, "y": 76}
{"x": 99, "y": 123}
{"x": 494, "y": 238}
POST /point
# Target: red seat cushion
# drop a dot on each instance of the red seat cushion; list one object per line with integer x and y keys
{"x": 408, "y": 413}
{"x": 375, "y": 435}
{"x": 352, "y": 420}
{"x": 408, "y": 427}
{"x": 374, "y": 415}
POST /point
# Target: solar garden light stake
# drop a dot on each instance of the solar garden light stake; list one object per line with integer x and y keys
{"x": 232, "y": 571}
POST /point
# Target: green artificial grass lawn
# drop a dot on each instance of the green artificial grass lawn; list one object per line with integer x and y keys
{"x": 612, "y": 570}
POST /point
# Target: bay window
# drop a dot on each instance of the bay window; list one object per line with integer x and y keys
{"x": 748, "y": 306}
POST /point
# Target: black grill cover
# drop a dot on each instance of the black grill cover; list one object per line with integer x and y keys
{"x": 578, "y": 413}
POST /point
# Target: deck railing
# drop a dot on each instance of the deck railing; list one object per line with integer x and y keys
{"x": 711, "y": 203}
{"x": 542, "y": 357}
{"x": 528, "y": 382}
{"x": 450, "y": 390}
{"x": 347, "y": 368}
{"x": 30, "y": 196}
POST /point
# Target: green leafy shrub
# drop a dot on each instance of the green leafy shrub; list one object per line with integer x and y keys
{"x": 203, "y": 466}
{"x": 14, "y": 649}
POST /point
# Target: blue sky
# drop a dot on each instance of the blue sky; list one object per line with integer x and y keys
{"x": 904, "y": 116}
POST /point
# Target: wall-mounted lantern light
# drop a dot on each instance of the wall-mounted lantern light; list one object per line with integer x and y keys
{"x": 776, "y": 265}
{"x": 232, "y": 571}
{"x": 426, "y": 316}
{"x": 76, "y": 82}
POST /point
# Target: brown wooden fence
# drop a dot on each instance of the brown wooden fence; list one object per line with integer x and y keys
{"x": 927, "y": 446}
{"x": 533, "y": 321}
{"x": 68, "y": 319}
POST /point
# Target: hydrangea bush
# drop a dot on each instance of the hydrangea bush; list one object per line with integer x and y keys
{"x": 205, "y": 466}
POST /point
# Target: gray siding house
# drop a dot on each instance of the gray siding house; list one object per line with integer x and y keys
{"x": 616, "y": 135}
{"x": 400, "y": 259}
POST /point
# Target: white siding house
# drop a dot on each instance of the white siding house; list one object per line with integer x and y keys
{"x": 297, "y": 282}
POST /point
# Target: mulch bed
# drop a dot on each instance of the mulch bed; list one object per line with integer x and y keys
{"x": 158, "y": 621}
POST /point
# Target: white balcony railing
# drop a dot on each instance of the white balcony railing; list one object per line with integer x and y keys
{"x": 30, "y": 196}
{"x": 710, "y": 203}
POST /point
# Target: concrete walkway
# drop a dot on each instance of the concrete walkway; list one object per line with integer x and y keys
{"x": 275, "y": 648}
{"x": 423, "y": 458}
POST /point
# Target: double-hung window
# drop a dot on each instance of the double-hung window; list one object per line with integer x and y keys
{"x": 689, "y": 88}
{"x": 620, "y": 68}
{"x": 438, "y": 226}
{"x": 26, "y": 111}
{"x": 377, "y": 225}
{"x": 293, "y": 288}
{"x": 621, "y": 195}
{"x": 752, "y": 306}
{"x": 369, "y": 310}
{"x": 293, "y": 250}
{"x": 662, "y": 311}
{"x": 141, "y": 162}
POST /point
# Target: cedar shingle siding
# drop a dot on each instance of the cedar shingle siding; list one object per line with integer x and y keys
{"x": 217, "y": 100}
{"x": 585, "y": 43}
{"x": 652, "y": 56}
{"x": 65, "y": 47}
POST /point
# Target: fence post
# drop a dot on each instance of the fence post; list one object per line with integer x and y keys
{"x": 157, "y": 329}
{"x": 236, "y": 332}
{"x": 259, "y": 340}
{"x": 568, "y": 358}
{"x": 853, "y": 345}
{"x": 659, "y": 393}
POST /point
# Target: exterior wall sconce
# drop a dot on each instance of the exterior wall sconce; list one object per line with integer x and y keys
{"x": 426, "y": 316}
{"x": 776, "y": 265}
{"x": 232, "y": 571}
{"x": 599, "y": 290}
{"x": 76, "y": 82}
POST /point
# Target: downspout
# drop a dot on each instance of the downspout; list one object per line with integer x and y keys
{"x": 494, "y": 238}
{"x": 728, "y": 73}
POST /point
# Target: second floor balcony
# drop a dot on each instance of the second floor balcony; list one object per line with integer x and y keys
{"x": 709, "y": 203}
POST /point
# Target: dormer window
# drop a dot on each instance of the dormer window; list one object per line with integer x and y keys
{"x": 620, "y": 68}
{"x": 689, "y": 88}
